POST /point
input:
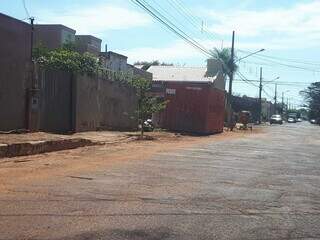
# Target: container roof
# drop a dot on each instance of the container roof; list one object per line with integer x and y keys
{"x": 183, "y": 74}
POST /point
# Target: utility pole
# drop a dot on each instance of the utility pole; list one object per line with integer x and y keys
{"x": 32, "y": 32}
{"x": 282, "y": 104}
{"x": 230, "y": 84}
{"x": 275, "y": 98}
{"x": 260, "y": 94}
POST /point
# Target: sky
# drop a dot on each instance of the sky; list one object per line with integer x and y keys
{"x": 288, "y": 30}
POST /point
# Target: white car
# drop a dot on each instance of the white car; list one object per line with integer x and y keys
{"x": 313, "y": 121}
{"x": 291, "y": 120}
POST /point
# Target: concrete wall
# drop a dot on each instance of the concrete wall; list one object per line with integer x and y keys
{"x": 15, "y": 69}
{"x": 103, "y": 104}
{"x": 215, "y": 69}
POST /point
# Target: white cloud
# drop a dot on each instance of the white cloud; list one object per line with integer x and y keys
{"x": 299, "y": 19}
{"x": 175, "y": 52}
{"x": 96, "y": 19}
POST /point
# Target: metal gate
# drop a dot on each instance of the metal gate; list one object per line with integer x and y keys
{"x": 56, "y": 100}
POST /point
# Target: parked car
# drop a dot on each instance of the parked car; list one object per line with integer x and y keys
{"x": 299, "y": 120}
{"x": 292, "y": 120}
{"x": 276, "y": 119}
{"x": 313, "y": 121}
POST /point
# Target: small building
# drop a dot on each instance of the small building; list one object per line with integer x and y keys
{"x": 88, "y": 43}
{"x": 53, "y": 36}
{"x": 196, "y": 97}
{"x": 114, "y": 61}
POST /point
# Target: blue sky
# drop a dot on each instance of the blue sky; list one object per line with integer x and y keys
{"x": 287, "y": 29}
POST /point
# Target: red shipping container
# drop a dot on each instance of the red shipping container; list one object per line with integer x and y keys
{"x": 193, "y": 107}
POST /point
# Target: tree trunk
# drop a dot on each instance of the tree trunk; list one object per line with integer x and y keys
{"x": 142, "y": 130}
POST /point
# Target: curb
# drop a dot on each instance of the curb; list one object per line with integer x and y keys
{"x": 37, "y": 147}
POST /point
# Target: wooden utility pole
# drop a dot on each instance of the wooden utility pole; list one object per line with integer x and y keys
{"x": 260, "y": 95}
{"x": 230, "y": 84}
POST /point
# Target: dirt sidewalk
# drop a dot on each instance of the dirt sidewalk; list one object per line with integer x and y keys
{"x": 37, "y": 168}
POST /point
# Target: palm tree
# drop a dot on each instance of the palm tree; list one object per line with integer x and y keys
{"x": 224, "y": 56}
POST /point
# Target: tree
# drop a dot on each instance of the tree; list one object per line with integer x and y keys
{"x": 224, "y": 55}
{"x": 146, "y": 65}
{"x": 147, "y": 104}
{"x": 312, "y": 97}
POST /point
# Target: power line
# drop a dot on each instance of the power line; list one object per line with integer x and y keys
{"x": 277, "y": 63}
{"x": 172, "y": 27}
{"x": 307, "y": 62}
{"x": 193, "y": 28}
{"x": 243, "y": 79}
{"x": 195, "y": 21}
{"x": 287, "y": 65}
{"x": 266, "y": 93}
{"x": 281, "y": 82}
{"x": 25, "y": 8}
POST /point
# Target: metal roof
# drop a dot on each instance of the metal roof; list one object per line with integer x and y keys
{"x": 184, "y": 74}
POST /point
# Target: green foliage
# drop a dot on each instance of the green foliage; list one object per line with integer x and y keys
{"x": 312, "y": 97}
{"x": 224, "y": 55}
{"x": 66, "y": 59}
{"x": 147, "y": 104}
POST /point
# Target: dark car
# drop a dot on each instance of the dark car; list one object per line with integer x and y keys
{"x": 276, "y": 119}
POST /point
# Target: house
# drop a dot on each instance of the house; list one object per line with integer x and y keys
{"x": 114, "y": 61}
{"x": 246, "y": 103}
{"x": 252, "y": 105}
{"x": 196, "y": 97}
{"x": 88, "y": 43}
{"x": 53, "y": 36}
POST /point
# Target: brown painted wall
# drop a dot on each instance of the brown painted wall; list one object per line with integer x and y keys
{"x": 104, "y": 104}
{"x": 15, "y": 51}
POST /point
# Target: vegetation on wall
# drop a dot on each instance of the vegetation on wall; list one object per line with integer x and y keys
{"x": 66, "y": 59}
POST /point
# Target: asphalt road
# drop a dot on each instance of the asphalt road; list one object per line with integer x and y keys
{"x": 264, "y": 186}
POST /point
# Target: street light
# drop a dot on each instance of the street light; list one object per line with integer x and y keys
{"x": 261, "y": 50}
{"x": 272, "y": 80}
